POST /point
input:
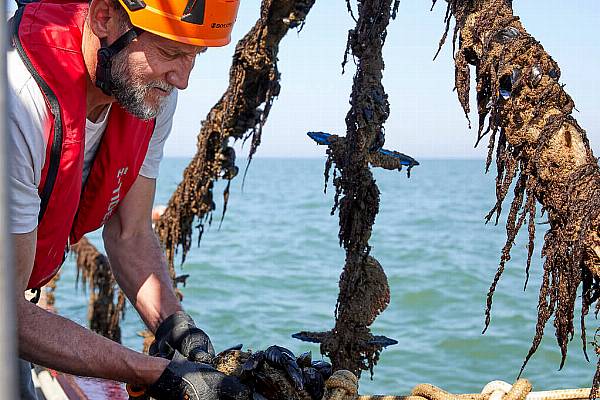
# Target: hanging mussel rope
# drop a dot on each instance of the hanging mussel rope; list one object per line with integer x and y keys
{"x": 105, "y": 310}
{"x": 527, "y": 113}
{"x": 364, "y": 291}
{"x": 253, "y": 83}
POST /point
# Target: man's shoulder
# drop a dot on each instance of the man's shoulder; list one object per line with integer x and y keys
{"x": 164, "y": 119}
{"x": 18, "y": 74}
{"x": 19, "y": 77}
{"x": 168, "y": 110}
{"x": 162, "y": 129}
{"x": 24, "y": 95}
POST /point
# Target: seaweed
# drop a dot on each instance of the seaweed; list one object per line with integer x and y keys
{"x": 528, "y": 115}
{"x": 105, "y": 310}
{"x": 49, "y": 298}
{"x": 241, "y": 113}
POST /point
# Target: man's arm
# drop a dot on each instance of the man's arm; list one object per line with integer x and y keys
{"x": 136, "y": 257}
{"x": 55, "y": 342}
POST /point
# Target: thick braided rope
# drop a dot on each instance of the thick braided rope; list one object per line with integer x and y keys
{"x": 343, "y": 385}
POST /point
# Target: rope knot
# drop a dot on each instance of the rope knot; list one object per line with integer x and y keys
{"x": 500, "y": 390}
{"x": 342, "y": 385}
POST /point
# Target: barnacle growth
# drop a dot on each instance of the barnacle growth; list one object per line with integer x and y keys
{"x": 527, "y": 114}
{"x": 241, "y": 113}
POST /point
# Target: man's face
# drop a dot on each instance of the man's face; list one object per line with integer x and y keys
{"x": 147, "y": 70}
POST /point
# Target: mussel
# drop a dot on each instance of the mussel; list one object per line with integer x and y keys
{"x": 506, "y": 35}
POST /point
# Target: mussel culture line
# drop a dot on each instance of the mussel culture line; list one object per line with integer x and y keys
{"x": 364, "y": 290}
{"x": 522, "y": 107}
{"x": 538, "y": 141}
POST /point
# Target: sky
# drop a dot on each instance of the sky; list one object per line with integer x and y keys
{"x": 426, "y": 119}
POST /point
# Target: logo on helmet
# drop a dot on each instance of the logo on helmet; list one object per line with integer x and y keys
{"x": 221, "y": 26}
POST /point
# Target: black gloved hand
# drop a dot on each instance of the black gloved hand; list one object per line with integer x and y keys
{"x": 179, "y": 333}
{"x": 186, "y": 380}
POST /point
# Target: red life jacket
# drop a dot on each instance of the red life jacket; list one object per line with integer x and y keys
{"x": 48, "y": 37}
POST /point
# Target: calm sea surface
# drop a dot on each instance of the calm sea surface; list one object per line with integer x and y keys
{"x": 273, "y": 267}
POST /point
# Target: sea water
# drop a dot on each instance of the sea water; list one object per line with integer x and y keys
{"x": 272, "y": 270}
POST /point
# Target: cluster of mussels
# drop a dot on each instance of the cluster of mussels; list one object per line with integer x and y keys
{"x": 276, "y": 373}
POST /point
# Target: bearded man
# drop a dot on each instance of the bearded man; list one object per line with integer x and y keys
{"x": 92, "y": 92}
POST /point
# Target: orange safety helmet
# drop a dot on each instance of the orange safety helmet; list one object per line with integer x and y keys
{"x": 197, "y": 22}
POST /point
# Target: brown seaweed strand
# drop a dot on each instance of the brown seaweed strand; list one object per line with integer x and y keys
{"x": 447, "y": 20}
{"x": 530, "y": 209}
{"x": 512, "y": 228}
{"x": 240, "y": 113}
{"x": 107, "y": 302}
{"x": 518, "y": 91}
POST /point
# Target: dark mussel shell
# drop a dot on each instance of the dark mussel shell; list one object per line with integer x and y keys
{"x": 378, "y": 97}
{"x": 253, "y": 363}
{"x": 231, "y": 172}
{"x": 304, "y": 359}
{"x": 378, "y": 142}
{"x": 509, "y": 83}
{"x": 536, "y": 75}
{"x": 505, "y": 87}
{"x": 314, "y": 383}
{"x": 277, "y": 355}
{"x": 323, "y": 367}
{"x": 228, "y": 157}
{"x": 312, "y": 337}
{"x": 506, "y": 35}
{"x": 383, "y": 341}
{"x": 515, "y": 76}
{"x": 282, "y": 358}
{"x": 470, "y": 56}
{"x": 227, "y": 350}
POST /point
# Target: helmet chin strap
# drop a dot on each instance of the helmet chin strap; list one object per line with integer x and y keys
{"x": 105, "y": 55}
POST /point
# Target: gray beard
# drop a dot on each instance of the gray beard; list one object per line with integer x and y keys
{"x": 130, "y": 93}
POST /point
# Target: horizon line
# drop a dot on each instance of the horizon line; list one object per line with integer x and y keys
{"x": 272, "y": 157}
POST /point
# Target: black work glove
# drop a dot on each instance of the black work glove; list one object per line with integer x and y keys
{"x": 179, "y": 333}
{"x": 186, "y": 380}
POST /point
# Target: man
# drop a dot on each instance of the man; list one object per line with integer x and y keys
{"x": 92, "y": 92}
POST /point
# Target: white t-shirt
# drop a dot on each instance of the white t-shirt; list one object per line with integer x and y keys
{"x": 28, "y": 115}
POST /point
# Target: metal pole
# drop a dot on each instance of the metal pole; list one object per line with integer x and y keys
{"x": 8, "y": 361}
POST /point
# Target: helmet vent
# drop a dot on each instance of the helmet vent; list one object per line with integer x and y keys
{"x": 194, "y": 12}
{"x": 134, "y": 5}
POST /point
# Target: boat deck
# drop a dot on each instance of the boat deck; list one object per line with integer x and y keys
{"x": 52, "y": 385}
